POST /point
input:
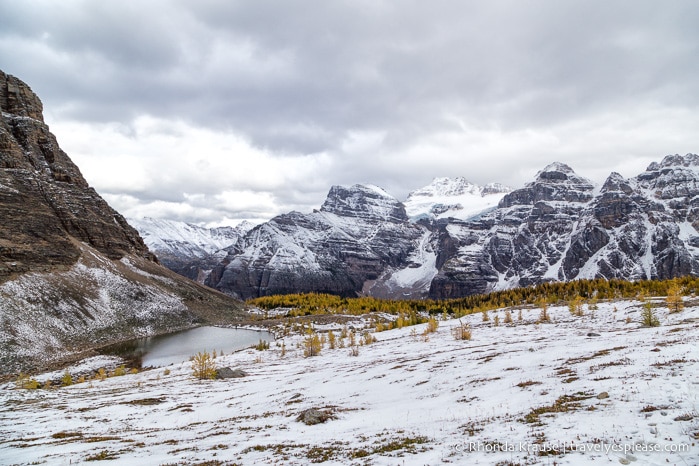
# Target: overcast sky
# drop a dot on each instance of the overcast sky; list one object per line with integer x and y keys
{"x": 216, "y": 111}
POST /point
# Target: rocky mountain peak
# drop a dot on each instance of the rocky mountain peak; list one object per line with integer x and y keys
{"x": 556, "y": 182}
{"x": 16, "y": 98}
{"x": 616, "y": 183}
{"x": 364, "y": 201}
{"x": 452, "y": 187}
{"x": 675, "y": 177}
{"x": 244, "y": 226}
{"x": 560, "y": 173}
{"x": 45, "y": 203}
{"x": 443, "y": 186}
{"x": 688, "y": 160}
{"x": 453, "y": 198}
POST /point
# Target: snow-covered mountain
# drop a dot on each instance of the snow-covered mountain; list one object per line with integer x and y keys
{"x": 453, "y": 197}
{"x": 361, "y": 240}
{"x": 519, "y": 242}
{"x": 558, "y": 227}
{"x": 185, "y": 238}
{"x": 188, "y": 249}
{"x": 453, "y": 238}
{"x": 357, "y": 240}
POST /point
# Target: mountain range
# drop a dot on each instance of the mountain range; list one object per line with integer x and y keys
{"x": 74, "y": 275}
{"x": 453, "y": 238}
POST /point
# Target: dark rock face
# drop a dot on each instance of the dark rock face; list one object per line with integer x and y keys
{"x": 17, "y": 98}
{"x": 73, "y": 274}
{"x": 45, "y": 203}
{"x": 527, "y": 234}
{"x": 556, "y": 182}
{"x": 364, "y": 202}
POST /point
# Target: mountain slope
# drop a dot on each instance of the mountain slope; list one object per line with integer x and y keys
{"x": 73, "y": 274}
{"x": 520, "y": 242}
{"x": 559, "y": 228}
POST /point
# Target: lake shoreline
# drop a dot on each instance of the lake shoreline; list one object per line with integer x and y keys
{"x": 176, "y": 347}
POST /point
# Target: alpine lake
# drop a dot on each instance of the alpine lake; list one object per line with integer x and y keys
{"x": 174, "y": 348}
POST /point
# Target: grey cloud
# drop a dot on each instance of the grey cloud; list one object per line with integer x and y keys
{"x": 302, "y": 77}
{"x": 363, "y": 65}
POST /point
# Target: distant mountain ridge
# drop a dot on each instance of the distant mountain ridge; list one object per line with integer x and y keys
{"x": 344, "y": 246}
{"x": 453, "y": 238}
{"x": 188, "y": 249}
{"x": 559, "y": 228}
{"x": 453, "y": 198}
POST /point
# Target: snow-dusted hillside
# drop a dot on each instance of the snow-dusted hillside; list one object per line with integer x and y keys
{"x": 185, "y": 239}
{"x": 190, "y": 250}
{"x": 453, "y": 197}
{"x": 46, "y": 318}
{"x": 597, "y": 389}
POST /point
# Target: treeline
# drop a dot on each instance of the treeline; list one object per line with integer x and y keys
{"x": 547, "y": 293}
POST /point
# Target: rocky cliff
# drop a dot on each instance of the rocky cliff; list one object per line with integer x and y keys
{"x": 44, "y": 200}
{"x": 73, "y": 273}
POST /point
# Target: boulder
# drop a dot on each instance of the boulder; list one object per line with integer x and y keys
{"x": 228, "y": 373}
{"x": 314, "y": 416}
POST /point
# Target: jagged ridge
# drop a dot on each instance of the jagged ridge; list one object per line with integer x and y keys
{"x": 557, "y": 227}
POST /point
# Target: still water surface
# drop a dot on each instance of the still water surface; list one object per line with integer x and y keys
{"x": 178, "y": 347}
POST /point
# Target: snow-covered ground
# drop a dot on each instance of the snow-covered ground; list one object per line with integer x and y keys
{"x": 597, "y": 388}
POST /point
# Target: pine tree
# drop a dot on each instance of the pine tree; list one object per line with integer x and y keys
{"x": 648, "y": 317}
{"x": 203, "y": 366}
{"x": 312, "y": 346}
{"x": 674, "y": 298}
